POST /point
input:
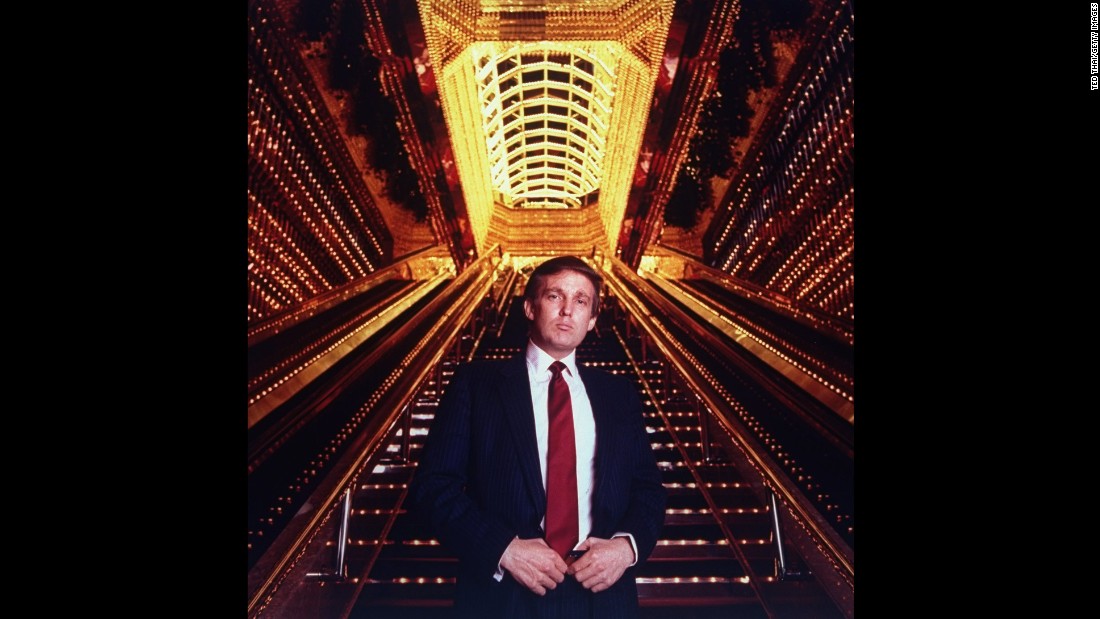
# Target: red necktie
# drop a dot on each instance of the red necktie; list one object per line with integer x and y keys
{"x": 561, "y": 467}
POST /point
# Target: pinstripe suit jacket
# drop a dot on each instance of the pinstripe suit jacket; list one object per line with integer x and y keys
{"x": 479, "y": 484}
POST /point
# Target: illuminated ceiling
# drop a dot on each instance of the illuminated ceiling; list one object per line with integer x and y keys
{"x": 545, "y": 103}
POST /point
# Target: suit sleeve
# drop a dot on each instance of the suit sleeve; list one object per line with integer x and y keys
{"x": 645, "y": 513}
{"x": 438, "y": 490}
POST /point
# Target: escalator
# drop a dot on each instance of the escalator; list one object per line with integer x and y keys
{"x": 823, "y": 350}
{"x": 291, "y": 449}
{"x": 720, "y": 553}
{"x": 804, "y": 438}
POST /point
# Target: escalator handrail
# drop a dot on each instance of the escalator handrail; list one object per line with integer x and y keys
{"x": 836, "y": 328}
{"x": 266, "y": 328}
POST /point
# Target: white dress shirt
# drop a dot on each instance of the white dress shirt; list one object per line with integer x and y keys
{"x": 584, "y": 427}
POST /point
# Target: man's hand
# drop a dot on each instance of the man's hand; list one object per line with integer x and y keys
{"x": 603, "y": 563}
{"x": 534, "y": 564}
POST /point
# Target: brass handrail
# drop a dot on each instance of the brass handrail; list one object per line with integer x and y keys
{"x": 264, "y": 329}
{"x": 835, "y": 327}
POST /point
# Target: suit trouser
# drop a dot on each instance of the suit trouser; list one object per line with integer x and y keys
{"x": 569, "y": 600}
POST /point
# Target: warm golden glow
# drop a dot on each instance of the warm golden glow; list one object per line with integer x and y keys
{"x": 546, "y": 104}
{"x": 546, "y": 109}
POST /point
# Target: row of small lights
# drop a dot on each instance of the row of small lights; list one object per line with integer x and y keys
{"x": 811, "y": 174}
{"x": 837, "y": 105}
{"x": 298, "y": 179}
{"x": 709, "y": 484}
{"x": 838, "y": 139}
{"x": 304, "y": 358}
{"x": 801, "y": 271}
{"x": 657, "y": 580}
{"x": 777, "y": 352}
{"x": 686, "y": 511}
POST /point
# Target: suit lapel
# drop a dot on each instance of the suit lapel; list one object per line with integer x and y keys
{"x": 515, "y": 390}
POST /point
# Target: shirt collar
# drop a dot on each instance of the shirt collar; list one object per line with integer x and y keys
{"x": 539, "y": 360}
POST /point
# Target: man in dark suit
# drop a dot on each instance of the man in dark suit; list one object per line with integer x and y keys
{"x": 481, "y": 480}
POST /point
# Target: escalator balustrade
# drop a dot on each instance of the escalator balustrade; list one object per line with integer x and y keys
{"x": 717, "y": 555}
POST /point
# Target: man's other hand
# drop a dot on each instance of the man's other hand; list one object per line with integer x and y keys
{"x": 534, "y": 564}
{"x": 603, "y": 563}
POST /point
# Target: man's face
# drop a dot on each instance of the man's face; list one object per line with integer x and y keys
{"x": 561, "y": 313}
